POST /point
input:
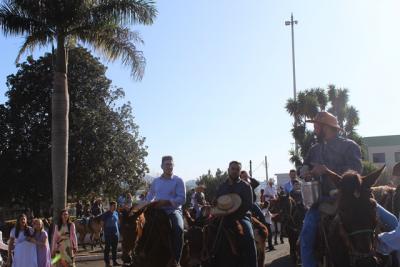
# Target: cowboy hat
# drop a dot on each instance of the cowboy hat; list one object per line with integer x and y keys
{"x": 396, "y": 169}
{"x": 226, "y": 204}
{"x": 326, "y": 118}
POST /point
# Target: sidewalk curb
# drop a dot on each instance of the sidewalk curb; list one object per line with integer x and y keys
{"x": 95, "y": 257}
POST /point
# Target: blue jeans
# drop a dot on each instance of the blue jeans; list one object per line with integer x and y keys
{"x": 248, "y": 255}
{"x": 256, "y": 210}
{"x": 310, "y": 228}
{"x": 177, "y": 233}
{"x": 111, "y": 242}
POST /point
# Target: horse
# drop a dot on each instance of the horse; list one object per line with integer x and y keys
{"x": 260, "y": 237}
{"x": 349, "y": 237}
{"x": 388, "y": 197}
{"x": 292, "y": 216}
{"x": 131, "y": 230}
{"x": 94, "y": 227}
{"x": 276, "y": 221}
{"x": 154, "y": 246}
{"x": 221, "y": 244}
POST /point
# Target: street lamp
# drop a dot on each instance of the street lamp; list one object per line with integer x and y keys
{"x": 290, "y": 23}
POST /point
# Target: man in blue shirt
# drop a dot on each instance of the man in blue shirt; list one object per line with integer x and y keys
{"x": 111, "y": 234}
{"x": 288, "y": 187}
{"x": 248, "y": 254}
{"x": 170, "y": 193}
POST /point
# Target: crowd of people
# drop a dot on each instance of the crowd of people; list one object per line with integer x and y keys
{"x": 235, "y": 200}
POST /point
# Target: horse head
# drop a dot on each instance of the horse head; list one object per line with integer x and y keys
{"x": 356, "y": 216}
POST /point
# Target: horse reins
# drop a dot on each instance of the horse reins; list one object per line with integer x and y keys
{"x": 353, "y": 253}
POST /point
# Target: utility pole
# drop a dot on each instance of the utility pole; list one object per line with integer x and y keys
{"x": 266, "y": 169}
{"x": 251, "y": 170}
{"x": 292, "y": 23}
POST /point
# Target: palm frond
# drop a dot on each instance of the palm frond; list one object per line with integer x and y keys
{"x": 127, "y": 11}
{"x": 14, "y": 20}
{"x": 31, "y": 42}
{"x": 116, "y": 43}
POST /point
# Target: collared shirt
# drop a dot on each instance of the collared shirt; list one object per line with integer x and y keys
{"x": 243, "y": 189}
{"x": 339, "y": 155}
{"x": 288, "y": 187}
{"x": 270, "y": 192}
{"x": 172, "y": 189}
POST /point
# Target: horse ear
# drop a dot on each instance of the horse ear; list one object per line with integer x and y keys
{"x": 370, "y": 179}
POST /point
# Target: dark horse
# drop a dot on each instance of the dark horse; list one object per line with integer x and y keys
{"x": 276, "y": 220}
{"x": 349, "y": 237}
{"x": 154, "y": 246}
{"x": 221, "y": 244}
{"x": 292, "y": 216}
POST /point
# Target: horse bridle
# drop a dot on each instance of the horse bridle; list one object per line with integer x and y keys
{"x": 353, "y": 253}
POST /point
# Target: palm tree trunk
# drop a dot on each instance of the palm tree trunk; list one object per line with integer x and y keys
{"x": 59, "y": 129}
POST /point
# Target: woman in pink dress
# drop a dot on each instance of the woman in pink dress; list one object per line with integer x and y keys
{"x": 64, "y": 240}
{"x": 42, "y": 244}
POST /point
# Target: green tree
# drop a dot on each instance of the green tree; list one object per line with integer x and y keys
{"x": 308, "y": 103}
{"x": 212, "y": 182}
{"x": 106, "y": 150}
{"x": 102, "y": 24}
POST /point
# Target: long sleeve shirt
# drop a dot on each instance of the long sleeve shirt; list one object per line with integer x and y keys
{"x": 270, "y": 192}
{"x": 339, "y": 155}
{"x": 243, "y": 189}
{"x": 172, "y": 189}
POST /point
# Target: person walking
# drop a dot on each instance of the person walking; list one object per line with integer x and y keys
{"x": 170, "y": 193}
{"x": 42, "y": 244}
{"x": 111, "y": 234}
{"x": 268, "y": 219}
{"x": 21, "y": 251}
{"x": 270, "y": 190}
{"x": 64, "y": 240}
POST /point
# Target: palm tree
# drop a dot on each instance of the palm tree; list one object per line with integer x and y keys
{"x": 308, "y": 103}
{"x": 100, "y": 24}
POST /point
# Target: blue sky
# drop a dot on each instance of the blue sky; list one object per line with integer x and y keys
{"x": 219, "y": 73}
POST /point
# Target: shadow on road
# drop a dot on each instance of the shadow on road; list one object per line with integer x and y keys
{"x": 281, "y": 262}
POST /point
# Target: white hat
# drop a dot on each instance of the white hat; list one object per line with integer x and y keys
{"x": 2, "y": 245}
{"x": 226, "y": 204}
{"x": 271, "y": 180}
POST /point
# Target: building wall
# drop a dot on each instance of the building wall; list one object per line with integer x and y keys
{"x": 389, "y": 152}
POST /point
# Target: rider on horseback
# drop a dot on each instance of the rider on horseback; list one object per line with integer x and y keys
{"x": 235, "y": 185}
{"x": 337, "y": 154}
{"x": 169, "y": 192}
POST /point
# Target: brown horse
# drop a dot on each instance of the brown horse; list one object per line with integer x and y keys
{"x": 350, "y": 236}
{"x": 131, "y": 230}
{"x": 94, "y": 227}
{"x": 260, "y": 236}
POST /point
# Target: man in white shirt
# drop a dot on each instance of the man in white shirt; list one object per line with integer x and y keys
{"x": 270, "y": 190}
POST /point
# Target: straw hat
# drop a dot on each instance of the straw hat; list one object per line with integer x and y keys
{"x": 326, "y": 118}
{"x": 396, "y": 169}
{"x": 226, "y": 204}
{"x": 2, "y": 245}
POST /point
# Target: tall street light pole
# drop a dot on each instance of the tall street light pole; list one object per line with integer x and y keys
{"x": 291, "y": 23}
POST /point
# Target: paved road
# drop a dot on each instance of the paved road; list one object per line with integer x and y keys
{"x": 277, "y": 258}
